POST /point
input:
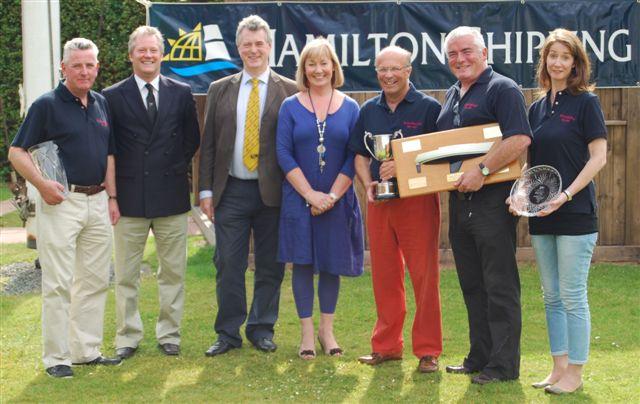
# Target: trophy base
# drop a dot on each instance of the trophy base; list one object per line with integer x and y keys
{"x": 385, "y": 190}
{"x": 384, "y": 197}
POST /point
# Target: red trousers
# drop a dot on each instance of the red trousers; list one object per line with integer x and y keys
{"x": 406, "y": 231}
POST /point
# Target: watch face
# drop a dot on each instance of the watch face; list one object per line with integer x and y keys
{"x": 483, "y": 169}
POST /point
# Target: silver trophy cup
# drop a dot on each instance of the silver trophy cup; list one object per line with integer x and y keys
{"x": 382, "y": 152}
{"x": 47, "y": 161}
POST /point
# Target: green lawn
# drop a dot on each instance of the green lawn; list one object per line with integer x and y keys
{"x": 5, "y": 193}
{"x": 11, "y": 220}
{"x": 246, "y": 375}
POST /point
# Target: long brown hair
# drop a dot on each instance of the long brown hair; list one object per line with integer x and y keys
{"x": 578, "y": 80}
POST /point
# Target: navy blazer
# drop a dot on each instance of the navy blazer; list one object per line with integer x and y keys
{"x": 152, "y": 161}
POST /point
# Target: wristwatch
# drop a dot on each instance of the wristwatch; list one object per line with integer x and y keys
{"x": 484, "y": 169}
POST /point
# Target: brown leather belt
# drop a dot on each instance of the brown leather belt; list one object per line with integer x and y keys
{"x": 86, "y": 189}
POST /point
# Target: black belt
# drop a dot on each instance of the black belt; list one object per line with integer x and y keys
{"x": 86, "y": 189}
{"x": 463, "y": 196}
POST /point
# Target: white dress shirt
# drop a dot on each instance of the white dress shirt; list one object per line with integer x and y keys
{"x": 237, "y": 168}
{"x": 155, "y": 83}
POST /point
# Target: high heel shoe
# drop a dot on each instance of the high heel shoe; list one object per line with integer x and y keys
{"x": 333, "y": 351}
{"x": 307, "y": 354}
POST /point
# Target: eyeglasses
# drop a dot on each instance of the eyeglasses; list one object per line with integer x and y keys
{"x": 395, "y": 69}
{"x": 456, "y": 114}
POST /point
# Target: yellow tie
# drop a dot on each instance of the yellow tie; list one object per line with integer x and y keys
{"x": 252, "y": 129}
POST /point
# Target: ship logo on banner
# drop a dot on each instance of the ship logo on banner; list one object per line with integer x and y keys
{"x": 203, "y": 44}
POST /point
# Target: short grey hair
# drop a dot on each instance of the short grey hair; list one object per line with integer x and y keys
{"x": 77, "y": 44}
{"x": 463, "y": 30}
{"x": 396, "y": 49}
{"x": 145, "y": 30}
{"x": 253, "y": 23}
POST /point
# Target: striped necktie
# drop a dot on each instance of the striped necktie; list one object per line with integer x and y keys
{"x": 251, "y": 145}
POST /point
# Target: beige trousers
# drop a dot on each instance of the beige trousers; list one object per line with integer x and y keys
{"x": 171, "y": 246}
{"x": 74, "y": 247}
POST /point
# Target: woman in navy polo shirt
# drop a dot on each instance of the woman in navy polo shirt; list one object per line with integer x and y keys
{"x": 569, "y": 134}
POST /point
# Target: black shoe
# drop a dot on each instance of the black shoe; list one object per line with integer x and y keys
{"x": 60, "y": 372}
{"x": 219, "y": 347}
{"x": 101, "y": 360}
{"x": 484, "y": 378}
{"x": 265, "y": 345}
{"x": 460, "y": 369}
{"x": 169, "y": 349}
{"x": 126, "y": 352}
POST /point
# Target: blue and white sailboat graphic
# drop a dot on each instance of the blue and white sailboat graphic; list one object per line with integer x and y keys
{"x": 189, "y": 47}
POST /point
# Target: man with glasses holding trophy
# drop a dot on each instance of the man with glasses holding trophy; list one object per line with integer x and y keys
{"x": 74, "y": 222}
{"x": 401, "y": 231}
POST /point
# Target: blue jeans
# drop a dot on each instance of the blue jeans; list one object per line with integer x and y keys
{"x": 563, "y": 262}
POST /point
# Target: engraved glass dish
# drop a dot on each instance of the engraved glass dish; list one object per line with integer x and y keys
{"x": 47, "y": 160}
{"x": 533, "y": 191}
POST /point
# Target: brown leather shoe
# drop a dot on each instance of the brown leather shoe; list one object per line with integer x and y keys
{"x": 428, "y": 364}
{"x": 377, "y": 358}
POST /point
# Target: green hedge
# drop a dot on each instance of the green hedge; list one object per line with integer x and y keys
{"x": 11, "y": 73}
{"x": 107, "y": 22}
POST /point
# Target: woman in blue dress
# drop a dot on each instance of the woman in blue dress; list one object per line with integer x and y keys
{"x": 320, "y": 221}
{"x": 569, "y": 133}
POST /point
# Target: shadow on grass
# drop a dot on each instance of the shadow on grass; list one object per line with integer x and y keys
{"x": 247, "y": 375}
{"x": 425, "y": 385}
{"x": 503, "y": 392}
{"x": 129, "y": 377}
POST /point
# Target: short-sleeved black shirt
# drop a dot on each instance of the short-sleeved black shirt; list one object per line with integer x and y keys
{"x": 415, "y": 115}
{"x": 492, "y": 98}
{"x": 561, "y": 136}
{"x": 83, "y": 135}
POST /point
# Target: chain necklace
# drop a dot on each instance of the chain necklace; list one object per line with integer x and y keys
{"x": 321, "y": 128}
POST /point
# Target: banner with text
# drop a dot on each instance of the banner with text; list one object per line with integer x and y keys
{"x": 200, "y": 38}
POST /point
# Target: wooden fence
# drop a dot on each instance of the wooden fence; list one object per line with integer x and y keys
{"x": 617, "y": 185}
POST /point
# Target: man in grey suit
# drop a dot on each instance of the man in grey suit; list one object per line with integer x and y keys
{"x": 240, "y": 189}
{"x": 155, "y": 126}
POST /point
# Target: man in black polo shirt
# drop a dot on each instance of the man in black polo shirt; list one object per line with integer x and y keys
{"x": 400, "y": 230}
{"x": 481, "y": 230}
{"x": 74, "y": 230}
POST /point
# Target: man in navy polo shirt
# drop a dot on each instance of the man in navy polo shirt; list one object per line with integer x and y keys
{"x": 74, "y": 231}
{"x": 400, "y": 230}
{"x": 481, "y": 230}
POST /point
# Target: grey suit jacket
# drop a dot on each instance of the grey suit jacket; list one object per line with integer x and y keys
{"x": 219, "y": 135}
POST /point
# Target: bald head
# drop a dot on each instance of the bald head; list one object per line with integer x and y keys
{"x": 393, "y": 68}
{"x": 395, "y": 52}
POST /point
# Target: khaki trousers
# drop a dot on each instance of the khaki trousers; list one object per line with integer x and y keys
{"x": 171, "y": 245}
{"x": 74, "y": 247}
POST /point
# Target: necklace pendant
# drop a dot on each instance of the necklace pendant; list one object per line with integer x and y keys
{"x": 321, "y": 149}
